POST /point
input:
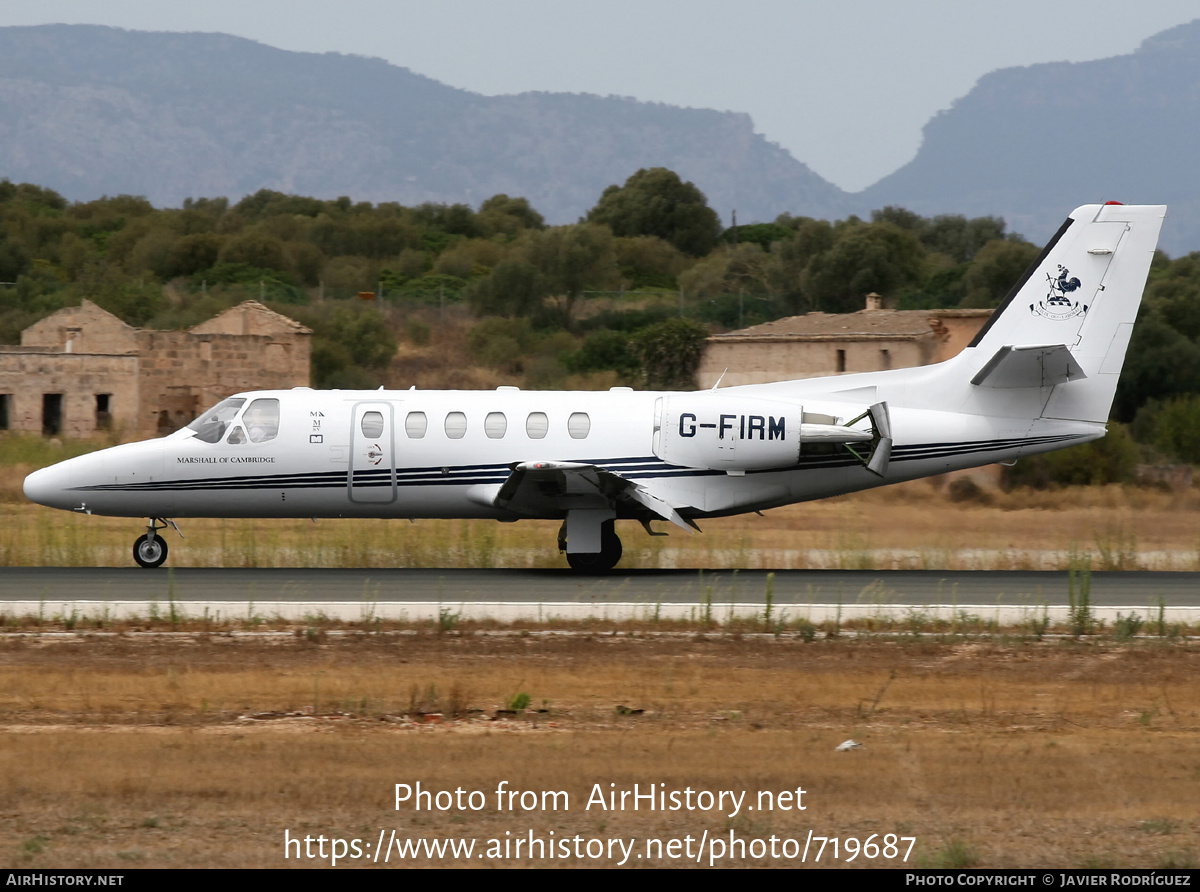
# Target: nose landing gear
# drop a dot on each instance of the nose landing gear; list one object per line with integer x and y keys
{"x": 150, "y": 550}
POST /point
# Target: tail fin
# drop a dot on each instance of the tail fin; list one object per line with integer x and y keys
{"x": 1068, "y": 321}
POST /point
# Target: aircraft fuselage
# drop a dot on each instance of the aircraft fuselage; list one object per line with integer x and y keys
{"x": 427, "y": 454}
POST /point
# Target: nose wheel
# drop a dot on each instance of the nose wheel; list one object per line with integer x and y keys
{"x": 150, "y": 552}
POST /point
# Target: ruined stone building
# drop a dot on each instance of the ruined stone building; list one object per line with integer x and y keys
{"x": 818, "y": 344}
{"x": 82, "y": 371}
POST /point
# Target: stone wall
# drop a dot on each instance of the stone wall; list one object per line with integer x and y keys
{"x": 82, "y": 329}
{"x": 183, "y": 373}
{"x": 760, "y": 362}
{"x": 831, "y": 344}
{"x": 955, "y": 329}
{"x": 75, "y": 363}
{"x": 29, "y": 375}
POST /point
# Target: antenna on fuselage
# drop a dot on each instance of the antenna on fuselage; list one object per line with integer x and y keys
{"x": 719, "y": 380}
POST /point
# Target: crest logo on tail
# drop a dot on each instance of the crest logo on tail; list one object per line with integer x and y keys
{"x": 1057, "y": 304}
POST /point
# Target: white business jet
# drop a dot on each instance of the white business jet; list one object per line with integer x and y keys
{"x": 1040, "y": 375}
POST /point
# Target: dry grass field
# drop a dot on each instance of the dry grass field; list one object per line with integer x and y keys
{"x": 203, "y": 747}
{"x": 192, "y": 750}
{"x": 910, "y": 526}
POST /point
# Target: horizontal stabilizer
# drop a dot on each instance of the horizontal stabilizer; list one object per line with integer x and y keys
{"x": 1043, "y": 365}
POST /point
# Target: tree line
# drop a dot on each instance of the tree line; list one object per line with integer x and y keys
{"x": 669, "y": 271}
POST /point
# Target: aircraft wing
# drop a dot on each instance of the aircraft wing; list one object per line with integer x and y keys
{"x": 538, "y": 487}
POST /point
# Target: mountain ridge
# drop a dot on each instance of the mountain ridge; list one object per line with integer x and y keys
{"x": 95, "y": 110}
{"x": 1029, "y": 143}
{"x": 176, "y": 115}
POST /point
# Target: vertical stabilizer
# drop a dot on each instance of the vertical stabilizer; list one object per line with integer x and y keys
{"x": 1067, "y": 323}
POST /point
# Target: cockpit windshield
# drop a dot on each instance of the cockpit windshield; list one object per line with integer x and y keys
{"x": 262, "y": 420}
{"x": 210, "y": 426}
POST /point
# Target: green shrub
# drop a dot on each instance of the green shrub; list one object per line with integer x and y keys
{"x": 1171, "y": 426}
{"x": 1112, "y": 459}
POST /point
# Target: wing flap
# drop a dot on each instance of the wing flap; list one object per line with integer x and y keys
{"x": 546, "y": 486}
{"x": 659, "y": 506}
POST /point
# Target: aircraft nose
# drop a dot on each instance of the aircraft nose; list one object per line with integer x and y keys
{"x": 48, "y": 487}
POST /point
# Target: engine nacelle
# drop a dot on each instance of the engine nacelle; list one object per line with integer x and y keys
{"x": 731, "y": 433}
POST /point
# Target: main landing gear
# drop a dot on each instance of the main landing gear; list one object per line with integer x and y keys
{"x": 150, "y": 550}
{"x": 594, "y": 562}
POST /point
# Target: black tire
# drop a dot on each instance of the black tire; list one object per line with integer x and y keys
{"x": 603, "y": 560}
{"x": 150, "y": 553}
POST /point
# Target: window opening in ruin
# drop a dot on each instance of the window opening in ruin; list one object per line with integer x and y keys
{"x": 52, "y": 414}
{"x": 4, "y": 398}
{"x": 841, "y": 360}
{"x": 103, "y": 412}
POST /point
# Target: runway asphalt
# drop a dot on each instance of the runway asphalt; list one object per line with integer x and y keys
{"x": 912, "y": 587}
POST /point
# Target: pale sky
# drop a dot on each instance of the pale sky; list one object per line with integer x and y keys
{"x": 845, "y": 87}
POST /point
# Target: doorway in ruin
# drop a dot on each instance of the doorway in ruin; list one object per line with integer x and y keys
{"x": 52, "y": 414}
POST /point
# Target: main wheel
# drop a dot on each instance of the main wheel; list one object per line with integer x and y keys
{"x": 149, "y": 552}
{"x": 603, "y": 560}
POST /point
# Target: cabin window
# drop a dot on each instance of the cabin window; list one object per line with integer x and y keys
{"x": 236, "y": 436}
{"x": 210, "y": 425}
{"x": 495, "y": 425}
{"x": 415, "y": 425}
{"x": 103, "y": 413}
{"x": 456, "y": 425}
{"x": 579, "y": 425}
{"x": 4, "y": 400}
{"x": 537, "y": 425}
{"x": 52, "y": 414}
{"x": 371, "y": 424}
{"x": 262, "y": 420}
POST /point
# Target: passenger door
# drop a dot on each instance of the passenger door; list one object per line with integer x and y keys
{"x": 372, "y": 476}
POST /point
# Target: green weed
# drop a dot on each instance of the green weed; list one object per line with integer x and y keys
{"x": 769, "y": 599}
{"x": 1125, "y": 627}
{"x": 1079, "y": 595}
{"x": 956, "y": 854}
{"x": 1117, "y": 548}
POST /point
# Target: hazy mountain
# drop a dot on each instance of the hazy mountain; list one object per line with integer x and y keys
{"x": 1030, "y": 144}
{"x": 90, "y": 110}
